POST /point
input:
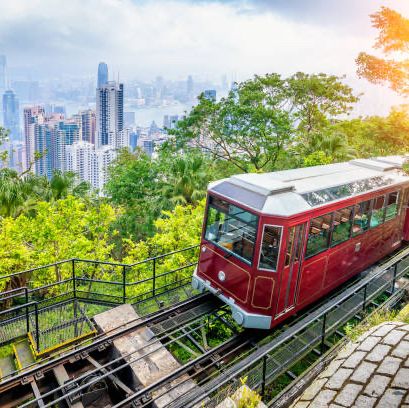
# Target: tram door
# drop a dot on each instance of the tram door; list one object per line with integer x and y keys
{"x": 292, "y": 268}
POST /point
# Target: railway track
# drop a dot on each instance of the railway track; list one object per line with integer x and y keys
{"x": 167, "y": 319}
{"x": 278, "y": 355}
{"x": 241, "y": 354}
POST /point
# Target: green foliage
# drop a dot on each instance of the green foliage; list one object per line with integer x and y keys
{"x": 256, "y": 124}
{"x": 377, "y": 136}
{"x": 246, "y": 397}
{"x": 317, "y": 158}
{"x": 378, "y": 317}
{"x": 317, "y": 98}
{"x": 393, "y": 41}
{"x": 177, "y": 229}
{"x": 144, "y": 187}
{"x": 403, "y": 315}
{"x": 59, "y": 230}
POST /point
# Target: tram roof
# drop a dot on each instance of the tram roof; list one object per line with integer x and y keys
{"x": 289, "y": 192}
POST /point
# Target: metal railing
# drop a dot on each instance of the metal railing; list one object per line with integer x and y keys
{"x": 270, "y": 360}
{"x": 98, "y": 282}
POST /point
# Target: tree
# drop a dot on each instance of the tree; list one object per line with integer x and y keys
{"x": 16, "y": 192}
{"x": 248, "y": 128}
{"x": 254, "y": 126}
{"x": 136, "y": 186}
{"x": 333, "y": 144}
{"x": 317, "y": 99}
{"x": 63, "y": 184}
{"x": 375, "y": 135}
{"x": 393, "y": 41}
{"x": 185, "y": 178}
{"x": 59, "y": 230}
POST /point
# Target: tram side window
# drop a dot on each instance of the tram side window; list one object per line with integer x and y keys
{"x": 391, "y": 206}
{"x": 378, "y": 211}
{"x": 342, "y": 224}
{"x": 318, "y": 236}
{"x": 361, "y": 217}
{"x": 232, "y": 228}
{"x": 270, "y": 248}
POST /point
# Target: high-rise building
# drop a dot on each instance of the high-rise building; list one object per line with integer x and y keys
{"x": 119, "y": 140}
{"x": 88, "y": 125}
{"x": 3, "y": 73}
{"x": 110, "y": 111}
{"x": 21, "y": 158}
{"x": 81, "y": 158}
{"x": 133, "y": 140}
{"x": 33, "y": 115}
{"x": 148, "y": 146}
{"x": 89, "y": 163}
{"x": 170, "y": 121}
{"x": 102, "y": 74}
{"x": 210, "y": 94}
{"x": 11, "y": 115}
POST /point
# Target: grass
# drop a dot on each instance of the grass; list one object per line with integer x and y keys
{"x": 354, "y": 331}
{"x": 403, "y": 315}
{"x": 6, "y": 350}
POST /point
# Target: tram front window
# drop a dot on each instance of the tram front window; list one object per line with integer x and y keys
{"x": 231, "y": 228}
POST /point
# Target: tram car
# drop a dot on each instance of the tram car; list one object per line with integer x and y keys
{"x": 274, "y": 243}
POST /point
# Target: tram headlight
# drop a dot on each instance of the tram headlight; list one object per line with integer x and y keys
{"x": 222, "y": 276}
{"x": 238, "y": 317}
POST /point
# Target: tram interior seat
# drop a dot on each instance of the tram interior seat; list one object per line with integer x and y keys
{"x": 326, "y": 224}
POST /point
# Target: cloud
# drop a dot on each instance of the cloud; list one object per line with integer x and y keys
{"x": 141, "y": 39}
{"x": 161, "y": 36}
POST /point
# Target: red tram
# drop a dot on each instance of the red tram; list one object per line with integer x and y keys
{"x": 273, "y": 243}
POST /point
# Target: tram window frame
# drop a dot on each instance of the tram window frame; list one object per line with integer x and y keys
{"x": 328, "y": 237}
{"x": 279, "y": 227}
{"x": 377, "y": 211}
{"x": 341, "y": 223}
{"x": 367, "y": 213}
{"x": 223, "y": 209}
{"x": 387, "y": 205}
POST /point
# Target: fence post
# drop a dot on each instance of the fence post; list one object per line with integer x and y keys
{"x": 27, "y": 311}
{"x": 364, "y": 301}
{"x": 263, "y": 381}
{"x": 74, "y": 280}
{"x": 124, "y": 284}
{"x": 395, "y": 271}
{"x": 324, "y": 324}
{"x": 37, "y": 328}
{"x": 154, "y": 278}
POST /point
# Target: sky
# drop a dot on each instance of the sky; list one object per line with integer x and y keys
{"x": 174, "y": 38}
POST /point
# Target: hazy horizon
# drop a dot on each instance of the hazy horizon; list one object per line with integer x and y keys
{"x": 207, "y": 39}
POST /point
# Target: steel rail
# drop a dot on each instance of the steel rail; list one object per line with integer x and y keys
{"x": 264, "y": 350}
{"x": 106, "y": 338}
{"x": 116, "y": 360}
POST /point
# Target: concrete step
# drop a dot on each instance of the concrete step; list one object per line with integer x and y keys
{"x": 23, "y": 353}
{"x": 6, "y": 366}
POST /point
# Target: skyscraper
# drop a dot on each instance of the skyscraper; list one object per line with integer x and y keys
{"x": 32, "y": 116}
{"x": 3, "y": 73}
{"x": 102, "y": 74}
{"x": 89, "y": 163}
{"x": 110, "y": 111}
{"x": 11, "y": 117}
{"x": 210, "y": 94}
{"x": 88, "y": 124}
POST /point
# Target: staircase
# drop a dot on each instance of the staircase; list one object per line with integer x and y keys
{"x": 16, "y": 356}
{"x": 23, "y": 354}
